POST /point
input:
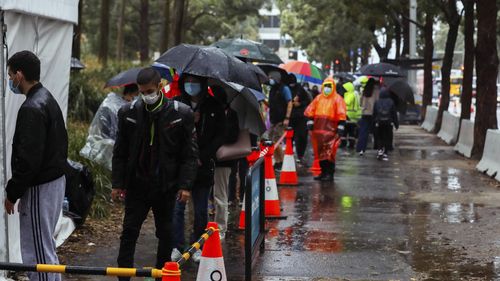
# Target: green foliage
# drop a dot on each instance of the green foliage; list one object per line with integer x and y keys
{"x": 86, "y": 88}
{"x": 77, "y": 132}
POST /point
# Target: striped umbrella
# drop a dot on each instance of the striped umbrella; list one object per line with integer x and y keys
{"x": 305, "y": 71}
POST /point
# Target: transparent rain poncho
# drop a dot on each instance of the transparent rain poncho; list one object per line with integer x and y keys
{"x": 103, "y": 130}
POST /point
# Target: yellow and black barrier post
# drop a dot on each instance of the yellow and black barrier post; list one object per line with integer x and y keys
{"x": 196, "y": 246}
{"x": 170, "y": 272}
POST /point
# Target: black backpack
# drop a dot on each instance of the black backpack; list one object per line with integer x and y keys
{"x": 384, "y": 112}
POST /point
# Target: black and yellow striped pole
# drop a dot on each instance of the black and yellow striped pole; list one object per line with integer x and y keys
{"x": 84, "y": 270}
{"x": 196, "y": 245}
{"x": 170, "y": 272}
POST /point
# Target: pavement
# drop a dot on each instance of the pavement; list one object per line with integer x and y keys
{"x": 426, "y": 214}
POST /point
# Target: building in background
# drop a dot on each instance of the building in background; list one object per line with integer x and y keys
{"x": 270, "y": 34}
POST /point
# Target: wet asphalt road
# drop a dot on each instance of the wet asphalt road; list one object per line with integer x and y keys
{"x": 424, "y": 215}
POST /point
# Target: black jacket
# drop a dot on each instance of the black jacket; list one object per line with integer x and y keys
{"x": 210, "y": 131}
{"x": 40, "y": 146}
{"x": 384, "y": 110}
{"x": 232, "y": 133}
{"x": 178, "y": 150}
{"x": 305, "y": 99}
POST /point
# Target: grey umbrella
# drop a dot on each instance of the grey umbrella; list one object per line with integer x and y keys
{"x": 245, "y": 102}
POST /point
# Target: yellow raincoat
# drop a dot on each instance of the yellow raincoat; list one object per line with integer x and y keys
{"x": 326, "y": 111}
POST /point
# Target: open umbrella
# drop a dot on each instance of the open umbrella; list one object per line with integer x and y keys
{"x": 267, "y": 68}
{"x": 124, "y": 78}
{"x": 245, "y": 102}
{"x": 248, "y": 50}
{"x": 305, "y": 71}
{"x": 347, "y": 77}
{"x": 210, "y": 62}
{"x": 401, "y": 90}
{"x": 381, "y": 70}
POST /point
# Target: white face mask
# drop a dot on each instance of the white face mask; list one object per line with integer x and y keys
{"x": 151, "y": 99}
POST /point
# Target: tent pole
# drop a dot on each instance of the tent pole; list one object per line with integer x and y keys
{"x": 3, "y": 31}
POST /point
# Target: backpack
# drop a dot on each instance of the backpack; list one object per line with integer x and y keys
{"x": 384, "y": 111}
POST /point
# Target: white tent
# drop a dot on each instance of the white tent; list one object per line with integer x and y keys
{"x": 44, "y": 27}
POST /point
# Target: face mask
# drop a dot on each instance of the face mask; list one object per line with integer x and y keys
{"x": 272, "y": 82}
{"x": 327, "y": 91}
{"x": 192, "y": 89}
{"x": 292, "y": 85}
{"x": 150, "y": 99}
{"x": 14, "y": 89}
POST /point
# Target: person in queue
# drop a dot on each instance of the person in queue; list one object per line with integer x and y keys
{"x": 210, "y": 123}
{"x": 154, "y": 163}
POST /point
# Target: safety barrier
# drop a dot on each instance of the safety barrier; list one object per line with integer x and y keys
{"x": 171, "y": 270}
{"x": 431, "y": 115}
{"x": 450, "y": 127}
{"x": 490, "y": 162}
{"x": 466, "y": 138}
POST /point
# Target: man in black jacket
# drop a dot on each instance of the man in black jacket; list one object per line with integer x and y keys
{"x": 154, "y": 163}
{"x": 39, "y": 154}
{"x": 210, "y": 120}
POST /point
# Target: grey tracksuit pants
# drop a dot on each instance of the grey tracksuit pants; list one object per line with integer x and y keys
{"x": 40, "y": 208}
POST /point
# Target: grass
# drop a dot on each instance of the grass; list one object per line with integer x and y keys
{"x": 77, "y": 133}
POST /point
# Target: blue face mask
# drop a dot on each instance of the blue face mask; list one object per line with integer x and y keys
{"x": 192, "y": 89}
{"x": 14, "y": 89}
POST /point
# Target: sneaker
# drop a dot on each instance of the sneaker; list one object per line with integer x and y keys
{"x": 197, "y": 256}
{"x": 327, "y": 178}
{"x": 176, "y": 255}
{"x": 361, "y": 153}
{"x": 380, "y": 153}
{"x": 385, "y": 157}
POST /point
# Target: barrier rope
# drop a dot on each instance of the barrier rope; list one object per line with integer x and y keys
{"x": 196, "y": 246}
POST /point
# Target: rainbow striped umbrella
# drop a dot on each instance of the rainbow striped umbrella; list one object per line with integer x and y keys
{"x": 305, "y": 71}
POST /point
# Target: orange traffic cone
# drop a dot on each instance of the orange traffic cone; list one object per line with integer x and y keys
{"x": 272, "y": 203}
{"x": 288, "y": 174}
{"x": 171, "y": 272}
{"x": 212, "y": 263}
{"x": 242, "y": 215}
{"x": 316, "y": 168}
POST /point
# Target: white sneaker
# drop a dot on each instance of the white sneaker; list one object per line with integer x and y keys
{"x": 197, "y": 256}
{"x": 176, "y": 255}
{"x": 361, "y": 153}
{"x": 385, "y": 157}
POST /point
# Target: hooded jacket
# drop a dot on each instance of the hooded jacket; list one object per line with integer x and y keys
{"x": 352, "y": 102}
{"x": 210, "y": 130}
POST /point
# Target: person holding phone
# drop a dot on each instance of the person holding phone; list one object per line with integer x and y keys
{"x": 155, "y": 161}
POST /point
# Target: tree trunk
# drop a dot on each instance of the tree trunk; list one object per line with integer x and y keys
{"x": 428, "y": 54}
{"x": 398, "y": 39}
{"x": 383, "y": 52}
{"x": 466, "y": 97}
{"x": 77, "y": 33}
{"x": 144, "y": 31}
{"x": 451, "y": 40}
{"x": 104, "y": 32}
{"x": 406, "y": 37}
{"x": 120, "y": 43}
{"x": 486, "y": 71}
{"x": 165, "y": 27}
{"x": 178, "y": 21}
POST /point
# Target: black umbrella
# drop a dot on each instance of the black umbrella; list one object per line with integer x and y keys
{"x": 210, "y": 62}
{"x": 124, "y": 78}
{"x": 381, "y": 70}
{"x": 245, "y": 102}
{"x": 248, "y": 50}
{"x": 268, "y": 68}
{"x": 402, "y": 92}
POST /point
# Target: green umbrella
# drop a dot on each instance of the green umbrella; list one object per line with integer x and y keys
{"x": 248, "y": 50}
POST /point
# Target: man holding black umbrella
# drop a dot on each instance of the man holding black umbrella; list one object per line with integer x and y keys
{"x": 280, "y": 110}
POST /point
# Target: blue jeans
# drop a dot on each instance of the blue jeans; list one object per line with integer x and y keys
{"x": 199, "y": 195}
{"x": 365, "y": 127}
